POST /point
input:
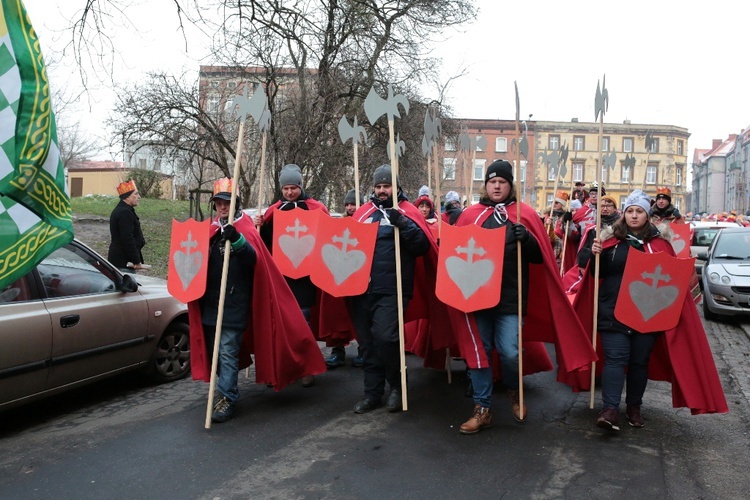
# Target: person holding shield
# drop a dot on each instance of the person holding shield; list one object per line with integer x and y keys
{"x": 627, "y": 353}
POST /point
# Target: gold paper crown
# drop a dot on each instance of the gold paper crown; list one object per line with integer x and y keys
{"x": 563, "y": 195}
{"x": 223, "y": 185}
{"x": 664, "y": 191}
{"x": 126, "y": 187}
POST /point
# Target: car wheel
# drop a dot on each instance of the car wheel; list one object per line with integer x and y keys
{"x": 171, "y": 359}
{"x": 707, "y": 312}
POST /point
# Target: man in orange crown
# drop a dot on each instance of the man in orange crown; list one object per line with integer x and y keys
{"x": 663, "y": 210}
{"x": 125, "y": 230}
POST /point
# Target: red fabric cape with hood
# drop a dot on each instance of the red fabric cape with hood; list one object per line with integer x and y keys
{"x": 277, "y": 334}
{"x": 328, "y": 318}
{"x": 681, "y": 355}
{"x": 431, "y": 324}
{"x": 550, "y": 317}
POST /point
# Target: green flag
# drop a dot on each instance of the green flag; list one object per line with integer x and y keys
{"x": 35, "y": 216}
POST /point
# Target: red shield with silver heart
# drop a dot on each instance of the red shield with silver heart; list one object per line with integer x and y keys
{"x": 342, "y": 259}
{"x": 653, "y": 290}
{"x": 681, "y": 239}
{"x": 188, "y": 259}
{"x": 294, "y": 236}
{"x": 470, "y": 267}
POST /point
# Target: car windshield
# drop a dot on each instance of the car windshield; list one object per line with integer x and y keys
{"x": 733, "y": 246}
{"x": 702, "y": 237}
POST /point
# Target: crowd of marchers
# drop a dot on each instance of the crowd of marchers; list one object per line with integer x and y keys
{"x": 559, "y": 271}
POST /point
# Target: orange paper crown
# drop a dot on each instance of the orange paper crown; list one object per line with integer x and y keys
{"x": 664, "y": 191}
{"x": 563, "y": 195}
{"x": 126, "y": 187}
{"x": 223, "y": 185}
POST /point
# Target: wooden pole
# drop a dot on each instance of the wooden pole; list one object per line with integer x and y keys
{"x": 224, "y": 274}
{"x": 596, "y": 256}
{"x": 355, "y": 141}
{"x": 399, "y": 285}
{"x": 519, "y": 259}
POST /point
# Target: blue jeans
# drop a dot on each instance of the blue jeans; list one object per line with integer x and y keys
{"x": 229, "y": 359}
{"x": 625, "y": 351}
{"x": 498, "y": 331}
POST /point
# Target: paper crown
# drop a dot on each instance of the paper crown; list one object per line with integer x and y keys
{"x": 223, "y": 185}
{"x": 664, "y": 191}
{"x": 562, "y": 195}
{"x": 126, "y": 187}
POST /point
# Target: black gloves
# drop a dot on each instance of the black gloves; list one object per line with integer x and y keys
{"x": 397, "y": 218}
{"x": 230, "y": 233}
{"x": 567, "y": 217}
{"x": 520, "y": 233}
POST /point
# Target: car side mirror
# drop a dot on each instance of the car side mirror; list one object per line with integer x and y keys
{"x": 129, "y": 284}
{"x": 702, "y": 255}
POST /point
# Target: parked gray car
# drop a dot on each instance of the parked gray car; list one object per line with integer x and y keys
{"x": 76, "y": 319}
{"x": 726, "y": 274}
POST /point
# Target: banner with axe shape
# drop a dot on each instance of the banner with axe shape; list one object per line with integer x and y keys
{"x": 653, "y": 291}
{"x": 188, "y": 259}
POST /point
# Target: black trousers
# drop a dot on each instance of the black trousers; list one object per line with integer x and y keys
{"x": 376, "y": 322}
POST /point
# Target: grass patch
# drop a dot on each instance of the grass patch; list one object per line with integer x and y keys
{"x": 156, "y": 222}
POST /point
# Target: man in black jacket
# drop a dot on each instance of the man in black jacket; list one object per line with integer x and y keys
{"x": 375, "y": 313}
{"x": 125, "y": 230}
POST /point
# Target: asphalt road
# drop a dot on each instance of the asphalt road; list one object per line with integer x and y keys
{"x": 124, "y": 438}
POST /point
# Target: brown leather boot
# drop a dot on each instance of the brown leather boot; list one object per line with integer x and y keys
{"x": 482, "y": 418}
{"x": 633, "y": 413}
{"x": 516, "y": 406}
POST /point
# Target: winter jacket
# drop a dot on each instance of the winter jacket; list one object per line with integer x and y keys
{"x": 127, "y": 237}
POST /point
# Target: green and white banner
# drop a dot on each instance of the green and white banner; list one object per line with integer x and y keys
{"x": 35, "y": 216}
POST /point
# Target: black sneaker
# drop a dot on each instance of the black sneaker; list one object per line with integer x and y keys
{"x": 335, "y": 361}
{"x": 393, "y": 404}
{"x": 366, "y": 405}
{"x": 223, "y": 410}
{"x": 357, "y": 362}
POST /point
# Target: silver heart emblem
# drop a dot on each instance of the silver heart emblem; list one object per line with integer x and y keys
{"x": 469, "y": 276}
{"x": 678, "y": 244}
{"x": 296, "y": 247}
{"x": 187, "y": 266}
{"x": 651, "y": 299}
{"x": 342, "y": 264}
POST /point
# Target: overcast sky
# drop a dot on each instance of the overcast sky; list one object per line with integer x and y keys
{"x": 666, "y": 61}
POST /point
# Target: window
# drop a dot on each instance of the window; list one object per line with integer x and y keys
{"x": 554, "y": 142}
{"x": 449, "y": 169}
{"x": 605, "y": 171}
{"x": 623, "y": 199}
{"x": 213, "y": 104}
{"x": 651, "y": 174}
{"x": 142, "y": 163}
{"x": 551, "y": 174}
{"x": 627, "y": 144}
{"x": 605, "y": 143}
{"x": 579, "y": 143}
{"x": 550, "y": 198}
{"x": 625, "y": 174}
{"x": 654, "y": 146}
{"x": 69, "y": 271}
{"x": 479, "y": 170}
{"x": 523, "y": 171}
{"x": 474, "y": 198}
{"x": 577, "y": 171}
{"x": 680, "y": 146}
{"x": 678, "y": 176}
{"x": 450, "y": 145}
{"x": 501, "y": 145}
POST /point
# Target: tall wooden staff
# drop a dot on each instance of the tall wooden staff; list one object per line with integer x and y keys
{"x": 353, "y": 132}
{"x": 519, "y": 143}
{"x": 375, "y": 107}
{"x": 244, "y": 106}
{"x": 432, "y": 128}
{"x": 601, "y": 103}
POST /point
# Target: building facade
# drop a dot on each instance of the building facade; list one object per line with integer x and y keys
{"x": 664, "y": 163}
{"x": 720, "y": 176}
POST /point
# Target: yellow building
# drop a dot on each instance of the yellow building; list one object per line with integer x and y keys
{"x": 102, "y": 177}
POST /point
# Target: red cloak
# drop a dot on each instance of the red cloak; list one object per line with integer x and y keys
{"x": 277, "y": 334}
{"x": 550, "y": 317}
{"x": 681, "y": 356}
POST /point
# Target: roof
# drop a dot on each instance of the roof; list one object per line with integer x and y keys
{"x": 96, "y": 166}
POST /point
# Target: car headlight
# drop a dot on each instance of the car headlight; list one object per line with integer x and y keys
{"x": 726, "y": 280}
{"x": 714, "y": 278}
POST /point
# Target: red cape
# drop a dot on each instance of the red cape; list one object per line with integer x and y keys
{"x": 430, "y": 325}
{"x": 329, "y": 320}
{"x": 284, "y": 347}
{"x": 681, "y": 356}
{"x": 550, "y": 317}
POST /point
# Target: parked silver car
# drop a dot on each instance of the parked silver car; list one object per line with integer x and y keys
{"x": 703, "y": 233}
{"x": 75, "y": 319}
{"x": 726, "y": 274}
